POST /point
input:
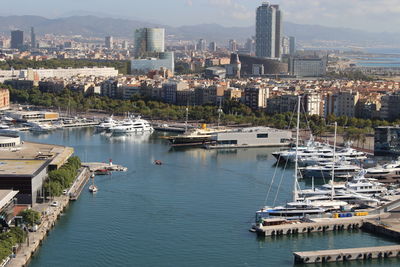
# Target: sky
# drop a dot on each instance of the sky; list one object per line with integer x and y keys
{"x": 368, "y": 15}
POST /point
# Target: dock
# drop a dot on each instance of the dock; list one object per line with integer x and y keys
{"x": 341, "y": 255}
{"x": 34, "y": 240}
{"x": 79, "y": 183}
{"x": 95, "y": 166}
{"x": 322, "y": 225}
{"x": 80, "y": 124}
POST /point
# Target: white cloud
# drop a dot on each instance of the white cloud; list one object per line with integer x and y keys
{"x": 233, "y": 9}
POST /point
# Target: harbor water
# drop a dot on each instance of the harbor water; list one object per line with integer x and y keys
{"x": 194, "y": 210}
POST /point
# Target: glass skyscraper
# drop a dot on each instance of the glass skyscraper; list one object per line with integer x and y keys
{"x": 149, "y": 41}
{"x": 268, "y": 31}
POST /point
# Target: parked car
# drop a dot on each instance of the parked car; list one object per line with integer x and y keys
{"x": 54, "y": 204}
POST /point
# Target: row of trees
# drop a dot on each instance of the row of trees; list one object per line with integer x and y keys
{"x": 9, "y": 239}
{"x": 63, "y": 177}
{"x": 234, "y": 112}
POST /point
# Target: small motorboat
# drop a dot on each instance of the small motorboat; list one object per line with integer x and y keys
{"x": 93, "y": 188}
{"x": 102, "y": 172}
{"x": 158, "y": 162}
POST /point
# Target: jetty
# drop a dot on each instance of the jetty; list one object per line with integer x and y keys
{"x": 340, "y": 255}
{"x": 34, "y": 240}
{"x": 79, "y": 183}
{"x": 311, "y": 226}
{"x": 97, "y": 166}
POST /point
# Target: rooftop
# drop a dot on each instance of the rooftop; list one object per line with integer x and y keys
{"x": 20, "y": 167}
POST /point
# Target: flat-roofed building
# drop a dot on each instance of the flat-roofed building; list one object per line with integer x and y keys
{"x": 7, "y": 204}
{"x": 33, "y": 116}
{"x": 25, "y": 168}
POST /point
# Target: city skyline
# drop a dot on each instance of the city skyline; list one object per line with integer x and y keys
{"x": 370, "y": 15}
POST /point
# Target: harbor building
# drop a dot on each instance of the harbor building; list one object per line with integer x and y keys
{"x": 251, "y": 137}
{"x": 387, "y": 140}
{"x": 32, "y": 116}
{"x": 268, "y": 31}
{"x": 4, "y": 99}
{"x": 25, "y": 165}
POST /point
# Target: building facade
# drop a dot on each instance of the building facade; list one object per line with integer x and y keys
{"x": 163, "y": 61}
{"x": 268, "y": 31}
{"x": 307, "y": 67}
{"x": 390, "y": 109}
{"x": 4, "y": 99}
{"x": 148, "y": 41}
{"x": 255, "y": 97}
{"x": 17, "y": 39}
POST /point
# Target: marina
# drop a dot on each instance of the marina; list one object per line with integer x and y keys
{"x": 199, "y": 163}
{"x": 337, "y": 206}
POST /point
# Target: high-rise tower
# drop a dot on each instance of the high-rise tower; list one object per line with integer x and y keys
{"x": 149, "y": 40}
{"x": 268, "y": 31}
{"x": 33, "y": 38}
{"x": 17, "y": 39}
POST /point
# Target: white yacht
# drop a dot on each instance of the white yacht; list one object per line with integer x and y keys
{"x": 137, "y": 125}
{"x": 311, "y": 149}
{"x": 41, "y": 127}
{"x": 4, "y": 126}
{"x": 107, "y": 124}
{"x": 340, "y": 169}
{"x": 389, "y": 169}
{"x": 298, "y": 208}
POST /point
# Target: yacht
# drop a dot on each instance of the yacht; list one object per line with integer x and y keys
{"x": 391, "y": 169}
{"x": 4, "y": 126}
{"x": 137, "y": 125}
{"x": 341, "y": 169}
{"x": 41, "y": 127}
{"x": 298, "y": 208}
{"x": 311, "y": 149}
{"x": 107, "y": 124}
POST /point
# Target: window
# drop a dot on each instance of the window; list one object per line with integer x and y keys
{"x": 263, "y": 135}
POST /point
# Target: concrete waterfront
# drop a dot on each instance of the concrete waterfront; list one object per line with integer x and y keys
{"x": 312, "y": 226}
{"x": 50, "y": 214}
{"x": 340, "y": 255}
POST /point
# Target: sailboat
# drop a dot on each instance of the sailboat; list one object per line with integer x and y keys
{"x": 93, "y": 188}
{"x": 298, "y": 208}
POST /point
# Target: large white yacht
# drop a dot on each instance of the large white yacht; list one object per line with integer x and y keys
{"x": 107, "y": 124}
{"x": 341, "y": 169}
{"x": 390, "y": 169}
{"x": 136, "y": 125}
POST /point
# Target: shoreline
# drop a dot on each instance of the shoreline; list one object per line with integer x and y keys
{"x": 34, "y": 239}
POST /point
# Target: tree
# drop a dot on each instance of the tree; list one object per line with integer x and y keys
{"x": 30, "y": 216}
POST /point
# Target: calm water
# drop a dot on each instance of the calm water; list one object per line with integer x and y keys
{"x": 195, "y": 210}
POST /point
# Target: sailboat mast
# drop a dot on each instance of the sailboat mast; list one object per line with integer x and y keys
{"x": 333, "y": 163}
{"x": 186, "y": 119}
{"x": 297, "y": 148}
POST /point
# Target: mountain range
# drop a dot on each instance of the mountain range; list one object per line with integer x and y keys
{"x": 94, "y": 26}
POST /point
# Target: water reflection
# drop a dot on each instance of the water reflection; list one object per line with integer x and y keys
{"x": 133, "y": 138}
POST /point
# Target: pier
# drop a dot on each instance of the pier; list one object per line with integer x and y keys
{"x": 34, "y": 240}
{"x": 322, "y": 225}
{"x": 78, "y": 185}
{"x": 341, "y": 255}
{"x": 96, "y": 166}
